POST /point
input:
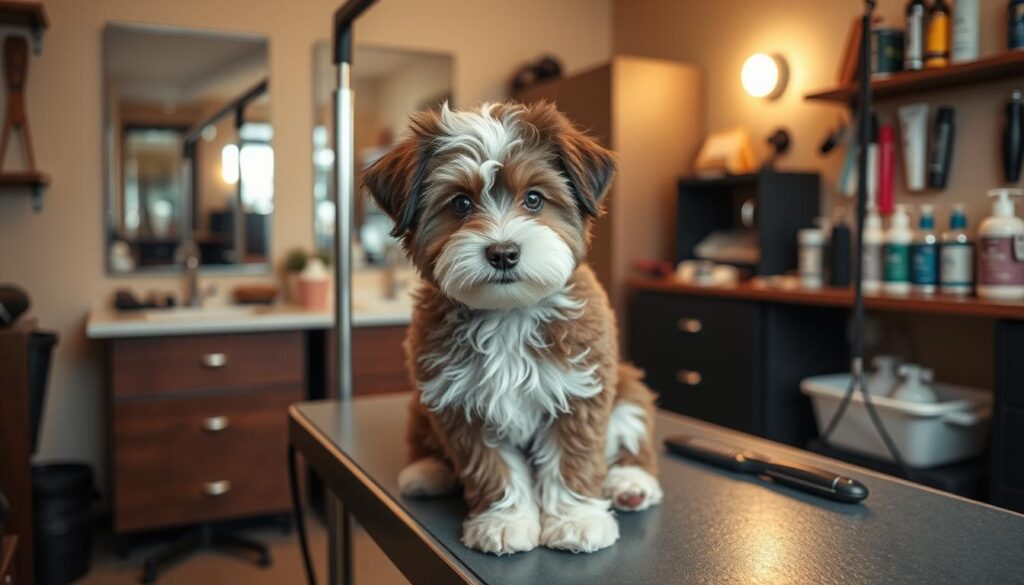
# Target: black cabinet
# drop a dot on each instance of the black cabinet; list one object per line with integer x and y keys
{"x": 735, "y": 363}
{"x": 1007, "y": 479}
{"x": 699, "y": 355}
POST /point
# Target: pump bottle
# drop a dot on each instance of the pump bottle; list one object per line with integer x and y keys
{"x": 1001, "y": 250}
{"x": 897, "y": 253}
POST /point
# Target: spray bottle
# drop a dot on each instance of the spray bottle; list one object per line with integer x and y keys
{"x": 897, "y": 253}
{"x": 956, "y": 254}
{"x": 1001, "y": 250}
{"x": 924, "y": 255}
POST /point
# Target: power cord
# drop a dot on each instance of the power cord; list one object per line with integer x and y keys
{"x": 857, "y": 343}
{"x": 300, "y": 517}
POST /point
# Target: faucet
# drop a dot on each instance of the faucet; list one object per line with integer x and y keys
{"x": 188, "y": 256}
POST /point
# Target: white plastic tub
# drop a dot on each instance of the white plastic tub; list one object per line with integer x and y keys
{"x": 927, "y": 435}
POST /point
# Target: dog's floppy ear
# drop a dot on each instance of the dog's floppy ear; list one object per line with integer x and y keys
{"x": 396, "y": 180}
{"x": 589, "y": 166}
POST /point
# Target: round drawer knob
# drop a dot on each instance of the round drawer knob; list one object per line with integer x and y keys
{"x": 688, "y": 377}
{"x": 214, "y": 360}
{"x": 216, "y": 488}
{"x": 214, "y": 424}
{"x": 687, "y": 325}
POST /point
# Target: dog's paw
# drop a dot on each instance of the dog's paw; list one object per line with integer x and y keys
{"x": 631, "y": 488}
{"x": 502, "y": 533}
{"x": 427, "y": 477}
{"x": 583, "y": 530}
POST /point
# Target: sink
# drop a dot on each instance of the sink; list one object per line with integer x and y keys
{"x": 201, "y": 313}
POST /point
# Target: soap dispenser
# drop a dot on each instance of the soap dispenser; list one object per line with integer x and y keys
{"x": 1001, "y": 250}
{"x": 913, "y": 388}
{"x": 885, "y": 377}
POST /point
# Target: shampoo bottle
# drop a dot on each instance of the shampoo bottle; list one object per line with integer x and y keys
{"x": 913, "y": 37}
{"x": 936, "y": 44}
{"x": 1001, "y": 250}
{"x": 956, "y": 269}
{"x": 897, "y": 253}
{"x": 924, "y": 255}
{"x": 874, "y": 240}
{"x": 898, "y": 240}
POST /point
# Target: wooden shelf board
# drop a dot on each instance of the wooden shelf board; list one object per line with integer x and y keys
{"x": 30, "y": 14}
{"x": 24, "y": 179}
{"x": 842, "y": 298}
{"x": 1001, "y": 66}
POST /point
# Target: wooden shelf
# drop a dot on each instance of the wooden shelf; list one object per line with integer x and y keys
{"x": 1002, "y": 66}
{"x": 30, "y": 15}
{"x": 34, "y": 181}
{"x": 842, "y": 297}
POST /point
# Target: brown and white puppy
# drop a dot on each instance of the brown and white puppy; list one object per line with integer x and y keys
{"x": 513, "y": 344}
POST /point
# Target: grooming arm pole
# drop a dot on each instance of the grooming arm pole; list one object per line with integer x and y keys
{"x": 339, "y": 536}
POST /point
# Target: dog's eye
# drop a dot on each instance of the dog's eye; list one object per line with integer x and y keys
{"x": 461, "y": 205}
{"x": 533, "y": 200}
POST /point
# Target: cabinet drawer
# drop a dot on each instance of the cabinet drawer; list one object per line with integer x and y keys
{"x": 714, "y": 391}
{"x": 174, "y": 364}
{"x": 182, "y": 460}
{"x": 691, "y": 326}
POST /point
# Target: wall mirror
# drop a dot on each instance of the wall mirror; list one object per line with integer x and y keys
{"x": 187, "y": 133}
{"x": 389, "y": 84}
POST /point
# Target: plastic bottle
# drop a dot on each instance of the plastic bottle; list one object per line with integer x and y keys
{"x": 897, "y": 253}
{"x": 1013, "y": 137}
{"x": 884, "y": 379}
{"x": 1001, "y": 250}
{"x": 839, "y": 253}
{"x": 872, "y": 270}
{"x": 924, "y": 254}
{"x": 956, "y": 256}
{"x": 936, "y": 43}
{"x": 966, "y": 36}
{"x": 1015, "y": 24}
{"x": 913, "y": 38}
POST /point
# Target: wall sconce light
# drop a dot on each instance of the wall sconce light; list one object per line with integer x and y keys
{"x": 764, "y": 75}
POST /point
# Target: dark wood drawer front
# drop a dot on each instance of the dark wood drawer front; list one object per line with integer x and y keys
{"x": 721, "y": 393}
{"x": 175, "y": 364}
{"x": 690, "y": 326}
{"x": 182, "y": 460}
{"x": 378, "y": 361}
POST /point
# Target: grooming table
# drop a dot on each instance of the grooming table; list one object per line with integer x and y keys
{"x": 713, "y": 527}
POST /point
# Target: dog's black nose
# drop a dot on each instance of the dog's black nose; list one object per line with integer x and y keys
{"x": 503, "y": 256}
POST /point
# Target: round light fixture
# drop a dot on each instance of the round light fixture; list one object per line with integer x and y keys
{"x": 764, "y": 75}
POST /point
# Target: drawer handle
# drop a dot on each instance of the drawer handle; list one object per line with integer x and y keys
{"x": 215, "y": 360}
{"x": 214, "y": 424}
{"x": 216, "y": 488}
{"x": 687, "y": 325}
{"x": 688, "y": 377}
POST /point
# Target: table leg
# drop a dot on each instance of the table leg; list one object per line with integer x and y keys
{"x": 339, "y": 542}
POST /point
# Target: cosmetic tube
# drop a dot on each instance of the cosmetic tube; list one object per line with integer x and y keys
{"x": 942, "y": 147}
{"x": 914, "y": 127}
{"x": 1013, "y": 138}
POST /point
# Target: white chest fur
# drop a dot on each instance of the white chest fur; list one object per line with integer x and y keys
{"x": 493, "y": 368}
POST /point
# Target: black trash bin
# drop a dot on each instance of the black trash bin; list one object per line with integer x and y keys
{"x": 65, "y": 520}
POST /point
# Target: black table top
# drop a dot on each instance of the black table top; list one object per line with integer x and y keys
{"x": 714, "y": 526}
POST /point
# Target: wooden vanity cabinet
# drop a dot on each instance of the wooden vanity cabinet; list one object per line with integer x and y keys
{"x": 199, "y": 426}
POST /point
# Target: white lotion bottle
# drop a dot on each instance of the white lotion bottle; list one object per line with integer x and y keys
{"x": 872, "y": 266}
{"x": 956, "y": 253}
{"x": 1001, "y": 250}
{"x": 897, "y": 253}
{"x": 914, "y": 387}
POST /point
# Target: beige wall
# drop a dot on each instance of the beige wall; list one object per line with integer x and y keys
{"x": 720, "y": 35}
{"x": 58, "y": 255}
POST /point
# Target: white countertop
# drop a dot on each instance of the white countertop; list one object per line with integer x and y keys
{"x": 369, "y": 309}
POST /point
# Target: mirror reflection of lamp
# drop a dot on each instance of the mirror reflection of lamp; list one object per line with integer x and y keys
{"x": 764, "y": 75}
{"x": 229, "y": 164}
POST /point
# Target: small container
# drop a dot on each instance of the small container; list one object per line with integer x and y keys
{"x": 897, "y": 253}
{"x": 956, "y": 256}
{"x": 1015, "y": 25}
{"x": 966, "y": 35}
{"x": 914, "y": 387}
{"x": 812, "y": 255}
{"x": 872, "y": 267}
{"x": 913, "y": 42}
{"x": 936, "y": 42}
{"x": 313, "y": 285}
{"x": 924, "y": 255}
{"x": 953, "y": 429}
{"x": 886, "y": 51}
{"x": 885, "y": 378}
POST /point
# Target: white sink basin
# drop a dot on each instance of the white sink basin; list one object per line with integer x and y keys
{"x": 201, "y": 313}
